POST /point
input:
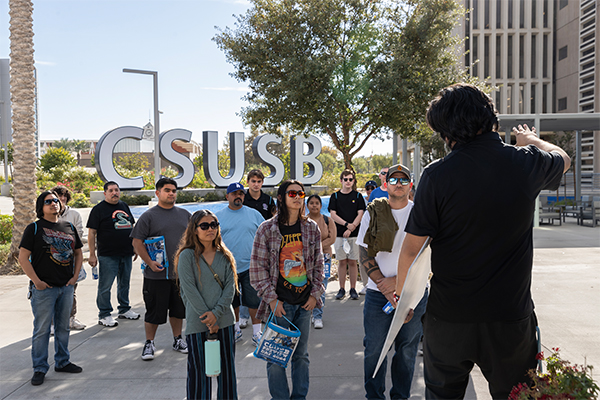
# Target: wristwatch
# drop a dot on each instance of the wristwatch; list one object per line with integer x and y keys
{"x": 346, "y": 225}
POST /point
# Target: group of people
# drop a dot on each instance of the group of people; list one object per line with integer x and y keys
{"x": 269, "y": 257}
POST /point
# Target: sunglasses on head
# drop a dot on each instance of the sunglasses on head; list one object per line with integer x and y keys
{"x": 47, "y": 202}
{"x": 348, "y": 179}
{"x": 205, "y": 225}
{"x": 294, "y": 193}
{"x": 403, "y": 181}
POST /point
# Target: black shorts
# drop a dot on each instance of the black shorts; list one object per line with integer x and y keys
{"x": 249, "y": 296}
{"x": 162, "y": 296}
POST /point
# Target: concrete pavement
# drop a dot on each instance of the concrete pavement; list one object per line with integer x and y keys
{"x": 566, "y": 283}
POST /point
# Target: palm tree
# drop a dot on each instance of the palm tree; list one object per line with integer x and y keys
{"x": 22, "y": 95}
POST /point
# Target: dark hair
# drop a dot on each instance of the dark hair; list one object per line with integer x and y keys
{"x": 189, "y": 240}
{"x": 39, "y": 203}
{"x": 314, "y": 196}
{"x": 110, "y": 183}
{"x": 347, "y": 172}
{"x": 283, "y": 215}
{"x": 165, "y": 181}
{"x": 61, "y": 190}
{"x": 256, "y": 173}
{"x": 460, "y": 112}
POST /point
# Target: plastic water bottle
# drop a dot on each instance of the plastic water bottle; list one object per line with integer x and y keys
{"x": 389, "y": 308}
{"x": 212, "y": 355}
{"x": 160, "y": 258}
{"x": 346, "y": 246}
{"x": 327, "y": 265}
{"x": 95, "y": 272}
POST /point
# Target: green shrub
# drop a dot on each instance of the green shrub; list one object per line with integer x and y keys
{"x": 136, "y": 200}
{"x": 212, "y": 196}
{"x": 80, "y": 200}
{"x": 4, "y": 253}
{"x": 6, "y": 227}
{"x": 187, "y": 197}
{"x": 55, "y": 157}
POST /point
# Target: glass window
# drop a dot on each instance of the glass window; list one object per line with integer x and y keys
{"x": 475, "y": 14}
{"x": 544, "y": 98}
{"x": 545, "y": 13}
{"x": 533, "y": 13}
{"x": 533, "y": 55}
{"x": 475, "y": 55}
{"x": 545, "y": 57}
{"x": 499, "y": 14}
{"x": 486, "y": 56}
{"x": 562, "y": 53}
{"x": 521, "y": 56}
{"x": 486, "y": 14}
{"x": 562, "y": 104}
{"x": 563, "y": 3}
{"x": 522, "y": 14}
{"x": 510, "y": 14}
{"x": 532, "y": 106}
{"x": 509, "y": 66}
{"x": 509, "y": 99}
{"x": 499, "y": 99}
{"x": 498, "y": 57}
{"x": 521, "y": 99}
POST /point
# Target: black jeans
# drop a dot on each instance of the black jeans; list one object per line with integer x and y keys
{"x": 504, "y": 351}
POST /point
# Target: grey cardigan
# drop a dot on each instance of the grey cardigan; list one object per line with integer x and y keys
{"x": 205, "y": 294}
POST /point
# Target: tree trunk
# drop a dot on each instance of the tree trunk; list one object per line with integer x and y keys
{"x": 22, "y": 94}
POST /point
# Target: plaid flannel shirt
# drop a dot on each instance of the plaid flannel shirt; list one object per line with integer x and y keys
{"x": 264, "y": 262}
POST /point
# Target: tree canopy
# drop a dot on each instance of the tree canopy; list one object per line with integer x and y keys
{"x": 351, "y": 70}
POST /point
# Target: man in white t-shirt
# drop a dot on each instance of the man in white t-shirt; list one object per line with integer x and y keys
{"x": 379, "y": 246}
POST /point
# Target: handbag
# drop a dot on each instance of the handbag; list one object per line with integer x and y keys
{"x": 278, "y": 344}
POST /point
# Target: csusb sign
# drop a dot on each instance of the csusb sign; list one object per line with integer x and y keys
{"x": 107, "y": 171}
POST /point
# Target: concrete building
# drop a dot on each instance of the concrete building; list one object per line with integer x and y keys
{"x": 543, "y": 55}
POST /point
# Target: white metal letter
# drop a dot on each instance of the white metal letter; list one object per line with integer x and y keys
{"x": 210, "y": 149}
{"x": 104, "y": 157}
{"x": 298, "y": 158}
{"x": 259, "y": 148}
{"x": 168, "y": 153}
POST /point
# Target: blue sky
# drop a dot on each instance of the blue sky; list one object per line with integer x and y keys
{"x": 82, "y": 46}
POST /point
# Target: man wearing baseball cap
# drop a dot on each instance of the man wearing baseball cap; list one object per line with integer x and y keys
{"x": 369, "y": 187}
{"x": 379, "y": 241}
{"x": 238, "y": 227}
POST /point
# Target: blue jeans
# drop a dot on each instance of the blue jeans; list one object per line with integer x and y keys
{"x": 111, "y": 267}
{"x": 51, "y": 303}
{"x": 278, "y": 384}
{"x": 376, "y": 324}
{"x": 318, "y": 312}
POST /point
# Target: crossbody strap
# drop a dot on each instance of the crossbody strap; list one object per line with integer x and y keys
{"x": 213, "y": 272}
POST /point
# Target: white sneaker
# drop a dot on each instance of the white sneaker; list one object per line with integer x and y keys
{"x": 52, "y": 330}
{"x": 363, "y": 291}
{"x": 108, "y": 321}
{"x": 148, "y": 351}
{"x": 256, "y": 338}
{"x": 318, "y": 323}
{"x": 243, "y": 322}
{"x": 180, "y": 345}
{"x": 76, "y": 325}
{"x": 130, "y": 314}
{"x": 238, "y": 336}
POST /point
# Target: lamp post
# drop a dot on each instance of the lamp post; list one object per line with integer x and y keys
{"x": 156, "y": 114}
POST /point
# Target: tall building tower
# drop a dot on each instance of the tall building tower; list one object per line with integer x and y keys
{"x": 541, "y": 54}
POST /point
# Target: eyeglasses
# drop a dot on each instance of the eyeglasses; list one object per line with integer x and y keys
{"x": 348, "y": 179}
{"x": 383, "y": 173}
{"x": 294, "y": 193}
{"x": 205, "y": 225}
{"x": 47, "y": 202}
{"x": 403, "y": 181}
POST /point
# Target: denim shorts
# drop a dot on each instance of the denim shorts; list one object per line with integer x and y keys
{"x": 249, "y": 296}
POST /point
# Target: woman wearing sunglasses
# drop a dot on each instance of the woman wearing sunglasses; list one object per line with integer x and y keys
{"x": 208, "y": 281}
{"x": 286, "y": 269}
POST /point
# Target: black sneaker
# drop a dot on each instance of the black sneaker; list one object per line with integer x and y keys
{"x": 148, "y": 351}
{"x": 353, "y": 294}
{"x": 340, "y": 294}
{"x": 38, "y": 378}
{"x": 70, "y": 368}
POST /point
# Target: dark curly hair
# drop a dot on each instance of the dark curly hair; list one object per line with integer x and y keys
{"x": 460, "y": 112}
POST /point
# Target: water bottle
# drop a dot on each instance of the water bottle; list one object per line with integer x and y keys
{"x": 95, "y": 272}
{"x": 388, "y": 308}
{"x": 327, "y": 265}
{"x": 346, "y": 246}
{"x": 212, "y": 355}
{"x": 160, "y": 258}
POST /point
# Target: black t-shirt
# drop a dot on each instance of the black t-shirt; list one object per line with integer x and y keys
{"x": 347, "y": 206}
{"x": 477, "y": 204}
{"x": 265, "y": 204}
{"x": 52, "y": 247}
{"x": 293, "y": 286}
{"x": 113, "y": 224}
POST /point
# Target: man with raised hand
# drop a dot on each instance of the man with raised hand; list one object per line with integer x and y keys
{"x": 238, "y": 228}
{"x": 110, "y": 224}
{"x": 161, "y": 293}
{"x": 379, "y": 240}
{"x": 477, "y": 204}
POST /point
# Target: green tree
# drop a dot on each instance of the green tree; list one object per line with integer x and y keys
{"x": 57, "y": 156}
{"x": 134, "y": 162}
{"x": 347, "y": 69}
{"x": 73, "y": 145}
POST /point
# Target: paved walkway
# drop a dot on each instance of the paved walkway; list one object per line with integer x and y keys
{"x": 566, "y": 282}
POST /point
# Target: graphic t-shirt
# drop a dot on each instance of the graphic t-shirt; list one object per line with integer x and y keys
{"x": 293, "y": 286}
{"x": 113, "y": 224}
{"x": 52, "y": 247}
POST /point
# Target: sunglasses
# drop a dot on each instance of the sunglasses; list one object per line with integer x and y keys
{"x": 370, "y": 188}
{"x": 383, "y": 173}
{"x": 50, "y": 201}
{"x": 403, "y": 181}
{"x": 348, "y": 179}
{"x": 205, "y": 225}
{"x": 294, "y": 193}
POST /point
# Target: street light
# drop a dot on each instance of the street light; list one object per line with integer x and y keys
{"x": 156, "y": 123}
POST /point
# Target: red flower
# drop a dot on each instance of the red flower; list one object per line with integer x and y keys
{"x": 539, "y": 356}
